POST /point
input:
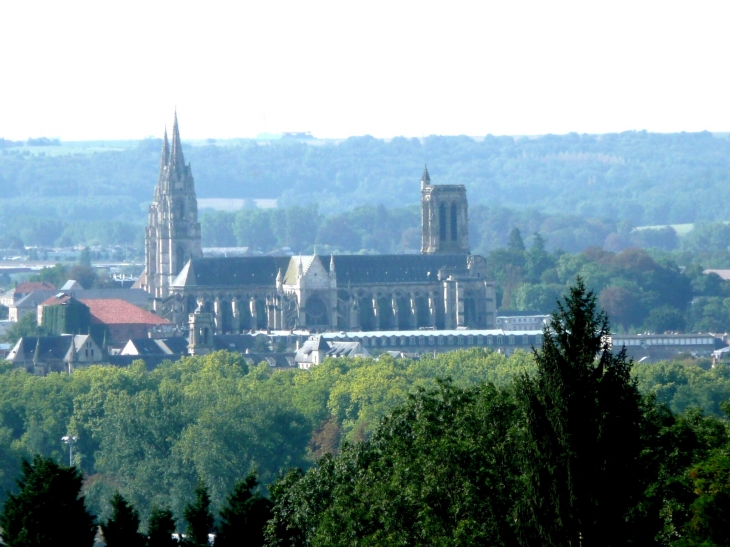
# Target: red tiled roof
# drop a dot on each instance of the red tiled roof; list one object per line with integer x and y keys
{"x": 30, "y": 286}
{"x": 52, "y": 301}
{"x": 113, "y": 311}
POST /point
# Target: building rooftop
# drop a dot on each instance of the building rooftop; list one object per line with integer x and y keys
{"x": 114, "y": 311}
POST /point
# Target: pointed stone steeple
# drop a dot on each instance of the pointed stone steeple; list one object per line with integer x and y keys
{"x": 332, "y": 266}
{"x": 300, "y": 268}
{"x": 425, "y": 178}
{"x": 173, "y": 232}
{"x": 177, "y": 161}
{"x": 279, "y": 281}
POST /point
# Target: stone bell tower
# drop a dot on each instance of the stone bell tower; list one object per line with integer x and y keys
{"x": 444, "y": 218}
{"x": 172, "y": 236}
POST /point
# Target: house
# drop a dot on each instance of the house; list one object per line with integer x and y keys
{"x": 29, "y": 303}
{"x": 123, "y": 321}
{"x": 521, "y": 321}
{"x": 10, "y": 297}
{"x": 63, "y": 353}
{"x": 173, "y": 347}
{"x": 315, "y": 350}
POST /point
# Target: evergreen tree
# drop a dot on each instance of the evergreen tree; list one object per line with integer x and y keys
{"x": 244, "y": 518}
{"x": 514, "y": 241}
{"x": 199, "y": 518}
{"x": 49, "y": 510}
{"x": 583, "y": 433}
{"x": 160, "y": 527}
{"x": 122, "y": 529}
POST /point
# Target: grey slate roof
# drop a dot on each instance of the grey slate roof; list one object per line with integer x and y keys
{"x": 175, "y": 345}
{"x": 361, "y": 269}
{"x": 138, "y": 297}
{"x": 232, "y": 271}
{"x": 50, "y": 348}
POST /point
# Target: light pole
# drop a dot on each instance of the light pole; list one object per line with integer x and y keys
{"x": 70, "y": 440}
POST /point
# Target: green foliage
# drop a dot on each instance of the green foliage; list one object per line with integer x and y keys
{"x": 439, "y": 471}
{"x": 73, "y": 317}
{"x": 682, "y": 385}
{"x": 710, "y": 522}
{"x": 122, "y": 528}
{"x": 244, "y": 517}
{"x": 199, "y": 519}
{"x": 49, "y": 509}
{"x": 27, "y": 325}
{"x": 583, "y": 439}
{"x": 56, "y": 275}
{"x": 160, "y": 527}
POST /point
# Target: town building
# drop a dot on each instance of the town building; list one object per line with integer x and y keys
{"x": 318, "y": 348}
{"x": 32, "y": 301}
{"x": 11, "y": 296}
{"x": 445, "y": 287}
{"x": 649, "y": 348}
{"x": 63, "y": 353}
{"x": 522, "y": 321}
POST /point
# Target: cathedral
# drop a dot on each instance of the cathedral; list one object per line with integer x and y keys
{"x": 444, "y": 287}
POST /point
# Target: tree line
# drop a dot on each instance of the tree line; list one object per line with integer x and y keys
{"x": 557, "y": 448}
{"x": 609, "y": 183}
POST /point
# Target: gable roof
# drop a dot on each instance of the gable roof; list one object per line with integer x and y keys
{"x": 30, "y": 286}
{"x": 114, "y": 311}
{"x": 153, "y": 346}
{"x": 137, "y": 297}
{"x": 34, "y": 299}
{"x": 50, "y": 348}
{"x": 232, "y": 271}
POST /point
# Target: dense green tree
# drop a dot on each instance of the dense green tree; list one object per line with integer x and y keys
{"x": 160, "y": 528}
{"x": 200, "y": 520}
{"x": 244, "y": 517}
{"x": 710, "y": 520}
{"x": 49, "y": 508}
{"x": 122, "y": 527}
{"x": 441, "y": 470}
{"x": 514, "y": 242}
{"x": 583, "y": 433}
{"x": 27, "y": 325}
{"x": 56, "y": 275}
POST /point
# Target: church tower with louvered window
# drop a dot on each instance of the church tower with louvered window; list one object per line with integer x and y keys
{"x": 444, "y": 218}
{"x": 172, "y": 236}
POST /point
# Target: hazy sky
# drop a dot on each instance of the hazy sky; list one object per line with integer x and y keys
{"x": 108, "y": 69}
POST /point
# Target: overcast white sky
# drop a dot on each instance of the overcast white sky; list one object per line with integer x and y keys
{"x": 117, "y": 69}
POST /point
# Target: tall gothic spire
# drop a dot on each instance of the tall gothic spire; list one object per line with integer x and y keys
{"x": 177, "y": 161}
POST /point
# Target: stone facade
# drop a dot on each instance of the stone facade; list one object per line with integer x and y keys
{"x": 172, "y": 236}
{"x": 445, "y": 287}
{"x": 444, "y": 218}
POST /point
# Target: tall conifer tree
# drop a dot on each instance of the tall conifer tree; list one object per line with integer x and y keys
{"x": 49, "y": 510}
{"x": 583, "y": 433}
{"x": 200, "y": 519}
{"x": 122, "y": 529}
{"x": 244, "y": 518}
{"x": 160, "y": 527}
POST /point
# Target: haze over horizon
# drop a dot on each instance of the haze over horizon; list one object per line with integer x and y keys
{"x": 83, "y": 70}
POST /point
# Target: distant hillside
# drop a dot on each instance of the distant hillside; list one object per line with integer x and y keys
{"x": 649, "y": 179}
